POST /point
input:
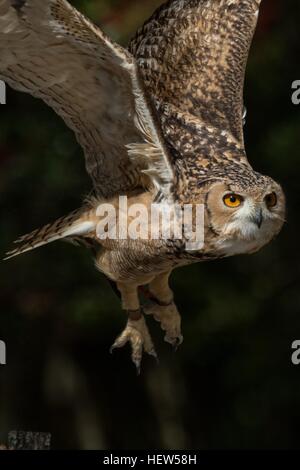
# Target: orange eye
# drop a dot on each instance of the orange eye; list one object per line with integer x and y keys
{"x": 271, "y": 200}
{"x": 232, "y": 200}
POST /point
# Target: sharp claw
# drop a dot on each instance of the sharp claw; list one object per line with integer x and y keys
{"x": 119, "y": 343}
{"x": 153, "y": 354}
{"x": 137, "y": 334}
{"x": 113, "y": 347}
{"x": 174, "y": 341}
{"x": 137, "y": 363}
{"x": 155, "y": 357}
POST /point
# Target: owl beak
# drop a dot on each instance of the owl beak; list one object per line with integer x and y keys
{"x": 257, "y": 218}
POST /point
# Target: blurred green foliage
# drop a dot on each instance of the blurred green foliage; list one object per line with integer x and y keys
{"x": 232, "y": 383}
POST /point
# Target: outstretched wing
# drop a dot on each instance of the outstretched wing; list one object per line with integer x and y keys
{"x": 193, "y": 55}
{"x": 47, "y": 48}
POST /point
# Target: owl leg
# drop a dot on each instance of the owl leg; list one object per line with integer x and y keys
{"x": 136, "y": 331}
{"x": 161, "y": 305}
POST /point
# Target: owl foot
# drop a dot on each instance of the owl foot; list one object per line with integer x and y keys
{"x": 169, "y": 318}
{"x": 137, "y": 334}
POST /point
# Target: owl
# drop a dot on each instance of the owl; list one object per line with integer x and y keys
{"x": 160, "y": 123}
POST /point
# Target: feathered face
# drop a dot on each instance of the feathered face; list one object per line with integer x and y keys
{"x": 245, "y": 219}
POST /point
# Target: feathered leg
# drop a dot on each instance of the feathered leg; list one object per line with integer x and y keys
{"x": 161, "y": 305}
{"x": 136, "y": 331}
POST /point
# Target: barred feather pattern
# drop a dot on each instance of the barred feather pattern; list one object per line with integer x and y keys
{"x": 76, "y": 224}
{"x": 96, "y": 89}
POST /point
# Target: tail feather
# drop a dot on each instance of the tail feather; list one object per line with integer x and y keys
{"x": 75, "y": 224}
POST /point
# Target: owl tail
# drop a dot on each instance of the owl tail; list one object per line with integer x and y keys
{"x": 76, "y": 224}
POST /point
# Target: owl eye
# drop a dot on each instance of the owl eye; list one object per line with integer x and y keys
{"x": 232, "y": 200}
{"x": 271, "y": 200}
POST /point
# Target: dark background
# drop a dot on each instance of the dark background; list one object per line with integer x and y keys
{"x": 231, "y": 384}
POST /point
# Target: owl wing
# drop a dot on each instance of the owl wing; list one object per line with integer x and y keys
{"x": 193, "y": 55}
{"x": 50, "y": 50}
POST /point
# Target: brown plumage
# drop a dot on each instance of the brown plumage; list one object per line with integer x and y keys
{"x": 161, "y": 122}
{"x": 193, "y": 55}
{"x": 70, "y": 227}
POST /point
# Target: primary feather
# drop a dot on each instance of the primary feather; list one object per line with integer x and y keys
{"x": 74, "y": 225}
{"x": 193, "y": 54}
{"x": 50, "y": 50}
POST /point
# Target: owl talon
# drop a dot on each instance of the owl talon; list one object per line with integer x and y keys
{"x": 169, "y": 319}
{"x": 175, "y": 342}
{"x": 137, "y": 334}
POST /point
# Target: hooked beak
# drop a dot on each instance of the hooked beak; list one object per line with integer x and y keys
{"x": 257, "y": 218}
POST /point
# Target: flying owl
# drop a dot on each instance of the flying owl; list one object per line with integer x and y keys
{"x": 160, "y": 123}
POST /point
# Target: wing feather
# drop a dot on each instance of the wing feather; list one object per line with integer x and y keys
{"x": 47, "y": 48}
{"x": 193, "y": 55}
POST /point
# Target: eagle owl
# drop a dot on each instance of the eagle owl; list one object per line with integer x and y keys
{"x": 161, "y": 121}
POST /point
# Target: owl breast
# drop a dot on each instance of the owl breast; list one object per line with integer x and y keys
{"x": 232, "y": 247}
{"x": 245, "y": 241}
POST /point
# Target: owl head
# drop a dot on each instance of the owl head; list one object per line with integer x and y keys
{"x": 244, "y": 217}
